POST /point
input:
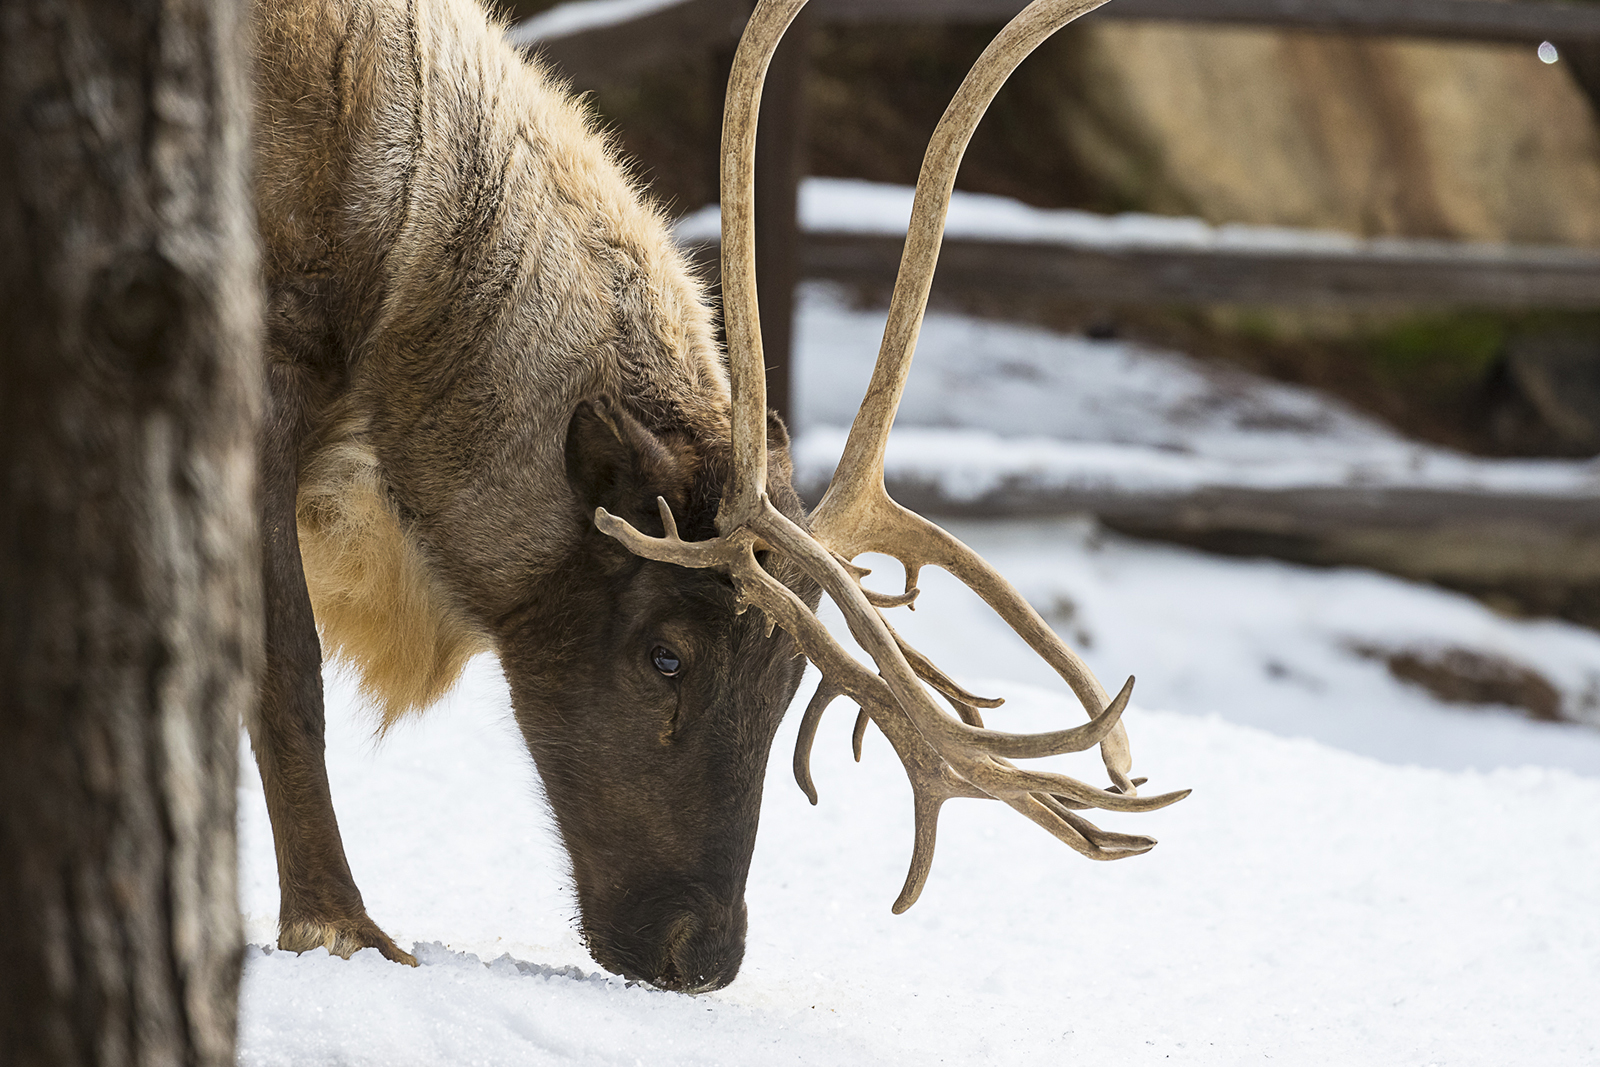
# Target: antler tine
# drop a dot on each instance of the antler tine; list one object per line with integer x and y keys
{"x": 1104, "y": 839}
{"x": 1003, "y": 782}
{"x": 908, "y": 599}
{"x": 940, "y": 681}
{"x": 670, "y": 549}
{"x": 741, "y": 319}
{"x": 869, "y": 433}
{"x": 825, "y": 695}
{"x": 943, "y": 757}
{"x": 1078, "y": 833}
{"x": 668, "y": 523}
{"x": 856, "y": 514}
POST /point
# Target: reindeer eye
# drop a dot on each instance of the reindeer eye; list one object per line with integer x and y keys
{"x": 666, "y": 661}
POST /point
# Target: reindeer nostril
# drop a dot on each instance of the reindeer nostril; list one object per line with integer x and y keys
{"x": 673, "y": 972}
{"x": 711, "y": 949}
{"x": 692, "y": 944}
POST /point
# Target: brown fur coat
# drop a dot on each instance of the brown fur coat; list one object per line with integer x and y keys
{"x": 453, "y": 258}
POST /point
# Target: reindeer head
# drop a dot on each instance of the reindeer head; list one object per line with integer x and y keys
{"x": 661, "y": 846}
{"x": 649, "y": 702}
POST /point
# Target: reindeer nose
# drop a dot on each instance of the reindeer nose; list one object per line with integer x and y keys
{"x": 705, "y": 949}
{"x": 693, "y": 945}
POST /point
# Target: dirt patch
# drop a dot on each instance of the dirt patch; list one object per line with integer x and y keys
{"x": 1458, "y": 675}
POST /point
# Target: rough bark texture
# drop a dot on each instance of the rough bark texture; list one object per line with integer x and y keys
{"x": 129, "y": 610}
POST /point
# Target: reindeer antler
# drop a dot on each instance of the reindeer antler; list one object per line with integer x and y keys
{"x": 945, "y": 756}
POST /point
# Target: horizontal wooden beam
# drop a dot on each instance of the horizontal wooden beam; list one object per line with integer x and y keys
{"x": 612, "y": 46}
{"x": 1384, "y": 274}
{"x": 1528, "y": 21}
{"x": 1471, "y": 539}
{"x": 1430, "y": 275}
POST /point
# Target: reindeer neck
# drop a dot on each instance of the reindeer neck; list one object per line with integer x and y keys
{"x": 454, "y": 251}
{"x": 431, "y": 192}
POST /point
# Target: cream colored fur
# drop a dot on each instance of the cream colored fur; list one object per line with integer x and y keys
{"x": 378, "y": 607}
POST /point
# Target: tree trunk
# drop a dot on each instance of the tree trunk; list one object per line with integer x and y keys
{"x": 129, "y": 612}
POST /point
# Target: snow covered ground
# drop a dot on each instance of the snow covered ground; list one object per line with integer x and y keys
{"x": 1306, "y": 904}
{"x": 847, "y": 205}
{"x": 1430, "y": 900}
{"x": 1363, "y": 875}
{"x": 577, "y": 16}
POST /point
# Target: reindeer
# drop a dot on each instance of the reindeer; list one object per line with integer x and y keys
{"x": 499, "y": 421}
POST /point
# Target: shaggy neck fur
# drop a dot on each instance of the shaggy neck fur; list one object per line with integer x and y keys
{"x": 455, "y": 258}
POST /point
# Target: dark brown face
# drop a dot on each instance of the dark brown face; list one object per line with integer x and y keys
{"x": 650, "y": 708}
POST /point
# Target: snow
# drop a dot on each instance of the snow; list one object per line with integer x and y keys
{"x": 578, "y": 16}
{"x": 1363, "y": 874}
{"x": 841, "y": 205}
{"x": 1305, "y": 904}
{"x": 988, "y": 403}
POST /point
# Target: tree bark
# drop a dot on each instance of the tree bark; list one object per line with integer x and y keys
{"x": 129, "y": 607}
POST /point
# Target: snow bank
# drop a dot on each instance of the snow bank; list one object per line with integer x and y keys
{"x": 843, "y": 205}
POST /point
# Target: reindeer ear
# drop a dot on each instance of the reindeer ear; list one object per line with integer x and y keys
{"x": 615, "y": 462}
{"x": 777, "y": 433}
{"x": 780, "y": 468}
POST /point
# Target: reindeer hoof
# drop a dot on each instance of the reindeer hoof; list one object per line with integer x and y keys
{"x": 343, "y": 938}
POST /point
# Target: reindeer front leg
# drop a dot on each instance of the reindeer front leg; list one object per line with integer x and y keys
{"x": 319, "y": 901}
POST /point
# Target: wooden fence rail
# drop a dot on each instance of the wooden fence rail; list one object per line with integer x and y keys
{"x": 1379, "y": 274}
{"x": 1537, "y": 554}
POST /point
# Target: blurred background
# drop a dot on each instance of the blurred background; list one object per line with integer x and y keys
{"x": 1313, "y": 294}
